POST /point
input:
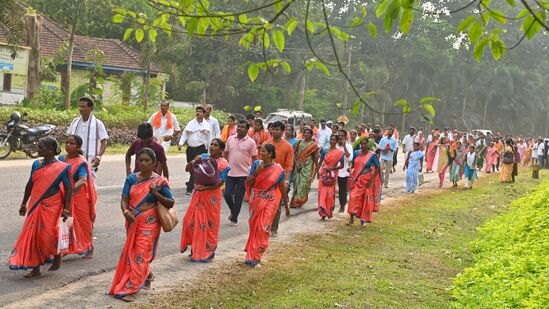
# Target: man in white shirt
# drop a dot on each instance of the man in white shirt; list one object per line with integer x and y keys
{"x": 324, "y": 134}
{"x": 92, "y": 131}
{"x": 212, "y": 121}
{"x": 540, "y": 153}
{"x": 165, "y": 126}
{"x": 343, "y": 175}
{"x": 198, "y": 135}
{"x": 408, "y": 141}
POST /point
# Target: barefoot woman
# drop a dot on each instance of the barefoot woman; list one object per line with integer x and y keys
{"x": 85, "y": 196}
{"x": 142, "y": 194}
{"x": 266, "y": 183}
{"x": 365, "y": 168}
{"x": 48, "y": 196}
{"x": 201, "y": 221}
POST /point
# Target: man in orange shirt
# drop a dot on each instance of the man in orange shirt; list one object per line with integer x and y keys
{"x": 284, "y": 157}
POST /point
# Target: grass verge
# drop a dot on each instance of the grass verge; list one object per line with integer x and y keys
{"x": 405, "y": 259}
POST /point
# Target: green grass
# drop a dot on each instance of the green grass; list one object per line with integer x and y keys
{"x": 512, "y": 258}
{"x": 406, "y": 259}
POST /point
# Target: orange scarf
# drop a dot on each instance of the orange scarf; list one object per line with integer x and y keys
{"x": 157, "y": 121}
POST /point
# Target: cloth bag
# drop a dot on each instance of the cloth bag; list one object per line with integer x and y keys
{"x": 205, "y": 172}
{"x": 420, "y": 179}
{"x": 167, "y": 217}
{"x": 64, "y": 234}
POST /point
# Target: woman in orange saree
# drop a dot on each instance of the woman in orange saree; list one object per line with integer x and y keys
{"x": 48, "y": 195}
{"x": 331, "y": 161}
{"x": 365, "y": 168}
{"x": 201, "y": 221}
{"x": 431, "y": 153}
{"x": 306, "y": 154}
{"x": 85, "y": 196}
{"x": 143, "y": 192}
{"x": 266, "y": 183}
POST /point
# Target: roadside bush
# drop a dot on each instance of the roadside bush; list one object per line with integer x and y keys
{"x": 121, "y": 121}
{"x": 512, "y": 259}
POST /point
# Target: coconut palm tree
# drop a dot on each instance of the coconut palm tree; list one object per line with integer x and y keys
{"x": 11, "y": 23}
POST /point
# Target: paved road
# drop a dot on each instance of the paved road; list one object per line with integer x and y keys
{"x": 108, "y": 228}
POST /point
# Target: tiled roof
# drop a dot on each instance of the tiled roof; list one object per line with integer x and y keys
{"x": 118, "y": 54}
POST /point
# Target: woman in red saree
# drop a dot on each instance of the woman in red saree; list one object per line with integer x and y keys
{"x": 364, "y": 170}
{"x": 259, "y": 134}
{"x": 266, "y": 183}
{"x": 331, "y": 161}
{"x": 85, "y": 196}
{"x": 202, "y": 219}
{"x": 431, "y": 153}
{"x": 143, "y": 192}
{"x": 48, "y": 196}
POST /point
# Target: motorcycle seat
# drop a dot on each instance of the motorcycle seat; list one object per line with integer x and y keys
{"x": 39, "y": 130}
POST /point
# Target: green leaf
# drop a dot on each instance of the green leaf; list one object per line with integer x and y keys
{"x": 430, "y": 109}
{"x": 257, "y": 108}
{"x": 373, "y": 29}
{"x": 286, "y": 67}
{"x": 356, "y": 22}
{"x": 128, "y": 33}
{"x": 478, "y": 50}
{"x": 246, "y": 40}
{"x": 475, "y": 32}
{"x": 279, "y": 40}
{"x": 498, "y": 49}
{"x": 139, "y": 35}
{"x": 363, "y": 10}
{"x": 523, "y": 13}
{"x": 530, "y": 26}
{"x": 247, "y": 108}
{"x": 406, "y": 20}
{"x": 381, "y": 8}
{"x": 278, "y": 6}
{"x": 266, "y": 39}
{"x": 152, "y": 35}
{"x": 120, "y": 11}
{"x": 356, "y": 107}
{"x": 406, "y": 109}
{"x": 310, "y": 26}
{"x": 466, "y": 23}
{"x": 339, "y": 105}
{"x": 253, "y": 72}
{"x": 323, "y": 68}
{"x": 118, "y": 18}
{"x": 429, "y": 99}
{"x": 243, "y": 19}
{"x": 291, "y": 25}
{"x": 393, "y": 11}
{"x": 427, "y": 118}
{"x": 511, "y": 2}
{"x": 401, "y": 102}
{"x": 498, "y": 16}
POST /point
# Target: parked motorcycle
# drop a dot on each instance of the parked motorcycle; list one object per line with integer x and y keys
{"x": 19, "y": 137}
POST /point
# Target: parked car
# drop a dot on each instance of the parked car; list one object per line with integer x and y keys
{"x": 293, "y": 117}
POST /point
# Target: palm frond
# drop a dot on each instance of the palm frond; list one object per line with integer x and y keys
{"x": 11, "y": 22}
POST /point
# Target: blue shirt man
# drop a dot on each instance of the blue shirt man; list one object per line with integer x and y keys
{"x": 388, "y": 144}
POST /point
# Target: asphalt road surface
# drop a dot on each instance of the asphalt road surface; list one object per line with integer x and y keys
{"x": 109, "y": 226}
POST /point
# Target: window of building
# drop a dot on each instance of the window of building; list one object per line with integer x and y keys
{"x": 7, "y": 83}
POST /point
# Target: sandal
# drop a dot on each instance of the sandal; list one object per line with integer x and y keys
{"x": 149, "y": 280}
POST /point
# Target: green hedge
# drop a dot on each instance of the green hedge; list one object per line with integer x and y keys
{"x": 512, "y": 258}
{"x": 117, "y": 116}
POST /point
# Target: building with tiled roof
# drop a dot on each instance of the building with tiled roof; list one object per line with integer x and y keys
{"x": 118, "y": 58}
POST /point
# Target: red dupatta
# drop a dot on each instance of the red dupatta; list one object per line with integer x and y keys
{"x": 141, "y": 242}
{"x": 38, "y": 239}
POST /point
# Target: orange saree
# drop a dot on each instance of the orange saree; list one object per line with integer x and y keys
{"x": 141, "y": 241}
{"x": 362, "y": 200}
{"x": 326, "y": 193}
{"x": 264, "y": 202}
{"x": 201, "y": 221}
{"x": 83, "y": 210}
{"x": 37, "y": 242}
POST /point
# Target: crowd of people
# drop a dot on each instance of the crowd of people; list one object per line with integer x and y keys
{"x": 272, "y": 168}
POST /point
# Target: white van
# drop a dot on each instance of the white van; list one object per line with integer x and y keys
{"x": 291, "y": 116}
